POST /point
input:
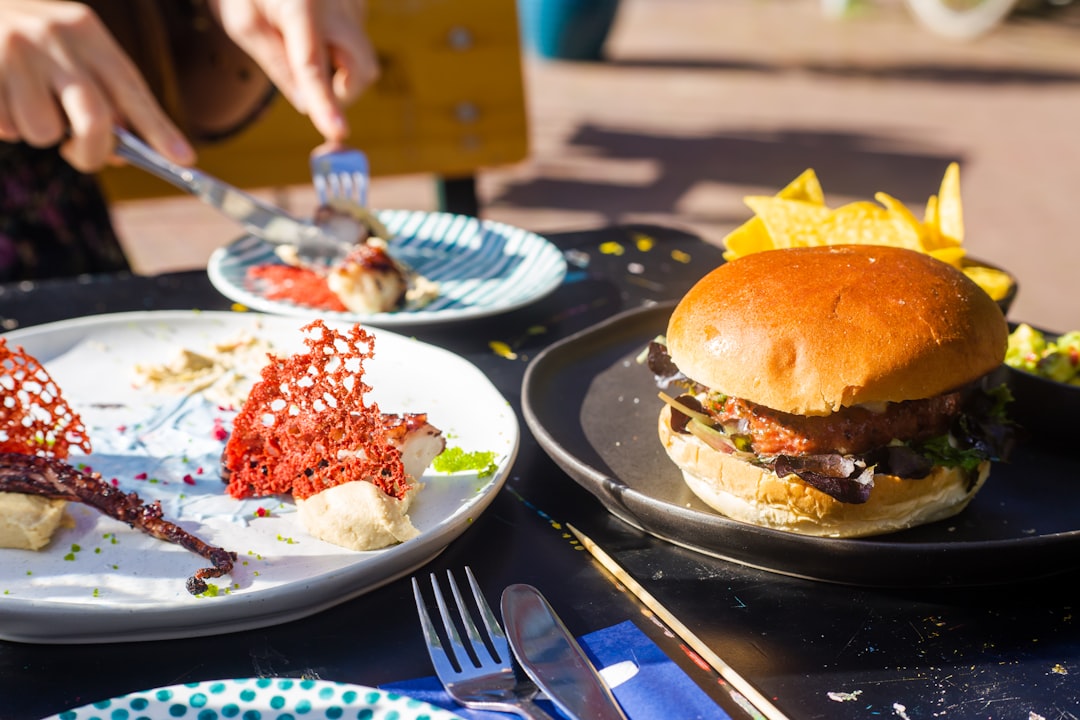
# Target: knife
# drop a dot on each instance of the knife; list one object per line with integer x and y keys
{"x": 551, "y": 656}
{"x": 261, "y": 219}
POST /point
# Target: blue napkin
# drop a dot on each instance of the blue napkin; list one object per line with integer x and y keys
{"x": 654, "y": 687}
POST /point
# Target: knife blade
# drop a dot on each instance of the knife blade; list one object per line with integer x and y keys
{"x": 551, "y": 656}
{"x": 260, "y": 218}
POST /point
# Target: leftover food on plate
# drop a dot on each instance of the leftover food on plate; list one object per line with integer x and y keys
{"x": 307, "y": 430}
{"x": 223, "y": 372}
{"x": 38, "y": 430}
{"x": 835, "y": 391}
{"x": 99, "y": 580}
{"x": 368, "y": 280}
{"x": 798, "y": 216}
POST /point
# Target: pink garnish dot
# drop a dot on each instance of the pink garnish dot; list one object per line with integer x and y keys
{"x": 219, "y": 432}
{"x": 261, "y": 512}
{"x": 198, "y": 471}
{"x": 141, "y": 476}
{"x": 121, "y": 428}
{"x": 188, "y": 480}
{"x": 115, "y": 482}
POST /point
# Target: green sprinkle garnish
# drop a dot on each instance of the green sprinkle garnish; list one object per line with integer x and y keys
{"x": 210, "y": 591}
{"x": 454, "y": 459}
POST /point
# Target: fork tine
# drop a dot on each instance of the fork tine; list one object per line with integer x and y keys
{"x": 457, "y": 652}
{"x": 491, "y": 623}
{"x": 439, "y": 656}
{"x": 342, "y": 174}
{"x": 477, "y": 642}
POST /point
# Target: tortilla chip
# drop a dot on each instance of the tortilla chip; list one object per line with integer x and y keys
{"x": 790, "y": 223}
{"x": 805, "y": 187}
{"x": 950, "y": 212}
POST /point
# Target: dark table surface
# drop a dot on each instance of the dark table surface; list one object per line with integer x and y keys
{"x": 820, "y": 650}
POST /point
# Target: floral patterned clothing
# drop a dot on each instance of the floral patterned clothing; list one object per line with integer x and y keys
{"x": 53, "y": 219}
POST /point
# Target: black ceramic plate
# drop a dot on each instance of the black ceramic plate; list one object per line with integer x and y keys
{"x": 594, "y": 409}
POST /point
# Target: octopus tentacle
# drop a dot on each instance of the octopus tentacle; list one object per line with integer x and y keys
{"x": 53, "y": 478}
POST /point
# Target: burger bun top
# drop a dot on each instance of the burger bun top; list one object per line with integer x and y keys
{"x": 811, "y": 330}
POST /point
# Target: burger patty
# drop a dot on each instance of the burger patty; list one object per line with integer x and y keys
{"x": 851, "y": 430}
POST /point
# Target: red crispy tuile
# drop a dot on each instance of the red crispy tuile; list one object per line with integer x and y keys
{"x": 306, "y": 425}
{"x": 34, "y": 417}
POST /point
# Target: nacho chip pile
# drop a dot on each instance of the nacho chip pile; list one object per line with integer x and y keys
{"x": 797, "y": 216}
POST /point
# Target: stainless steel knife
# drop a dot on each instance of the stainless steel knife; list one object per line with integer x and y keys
{"x": 552, "y": 657}
{"x": 261, "y": 219}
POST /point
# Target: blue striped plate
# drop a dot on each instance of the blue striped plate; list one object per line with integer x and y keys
{"x": 482, "y": 268}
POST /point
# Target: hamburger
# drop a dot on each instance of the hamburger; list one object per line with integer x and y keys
{"x": 834, "y": 391}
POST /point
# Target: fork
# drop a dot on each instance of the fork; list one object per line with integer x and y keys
{"x": 340, "y": 173}
{"x": 483, "y": 679}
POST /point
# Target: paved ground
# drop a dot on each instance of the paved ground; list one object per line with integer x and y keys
{"x": 701, "y": 102}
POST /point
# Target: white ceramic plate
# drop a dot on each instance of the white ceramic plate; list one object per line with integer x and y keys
{"x": 264, "y": 698}
{"x": 102, "y": 581}
{"x": 482, "y": 268}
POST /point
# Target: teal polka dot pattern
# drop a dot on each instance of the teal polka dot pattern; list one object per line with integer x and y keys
{"x": 259, "y": 699}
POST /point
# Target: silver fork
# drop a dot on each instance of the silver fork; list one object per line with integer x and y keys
{"x": 341, "y": 173}
{"x": 484, "y": 679}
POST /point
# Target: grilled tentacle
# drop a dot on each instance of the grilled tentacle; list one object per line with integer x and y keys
{"x": 56, "y": 479}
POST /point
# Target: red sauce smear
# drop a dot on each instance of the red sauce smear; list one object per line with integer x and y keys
{"x": 296, "y": 285}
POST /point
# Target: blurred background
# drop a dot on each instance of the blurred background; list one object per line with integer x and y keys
{"x": 688, "y": 105}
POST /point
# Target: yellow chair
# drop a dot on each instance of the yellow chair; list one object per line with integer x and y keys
{"x": 450, "y": 101}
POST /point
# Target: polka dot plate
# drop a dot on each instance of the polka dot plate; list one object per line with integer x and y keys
{"x": 260, "y": 699}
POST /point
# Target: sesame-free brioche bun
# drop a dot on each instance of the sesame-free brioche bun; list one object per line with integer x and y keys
{"x": 810, "y": 330}
{"x": 746, "y": 492}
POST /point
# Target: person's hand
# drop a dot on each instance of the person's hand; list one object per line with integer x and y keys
{"x": 315, "y": 51}
{"x": 64, "y": 79}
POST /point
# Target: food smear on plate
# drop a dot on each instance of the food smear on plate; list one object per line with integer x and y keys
{"x": 308, "y": 431}
{"x": 38, "y": 430}
{"x": 1056, "y": 359}
{"x": 223, "y": 372}
{"x": 797, "y": 216}
{"x": 368, "y": 280}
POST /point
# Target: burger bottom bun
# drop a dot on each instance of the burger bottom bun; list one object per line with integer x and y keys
{"x": 748, "y": 493}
